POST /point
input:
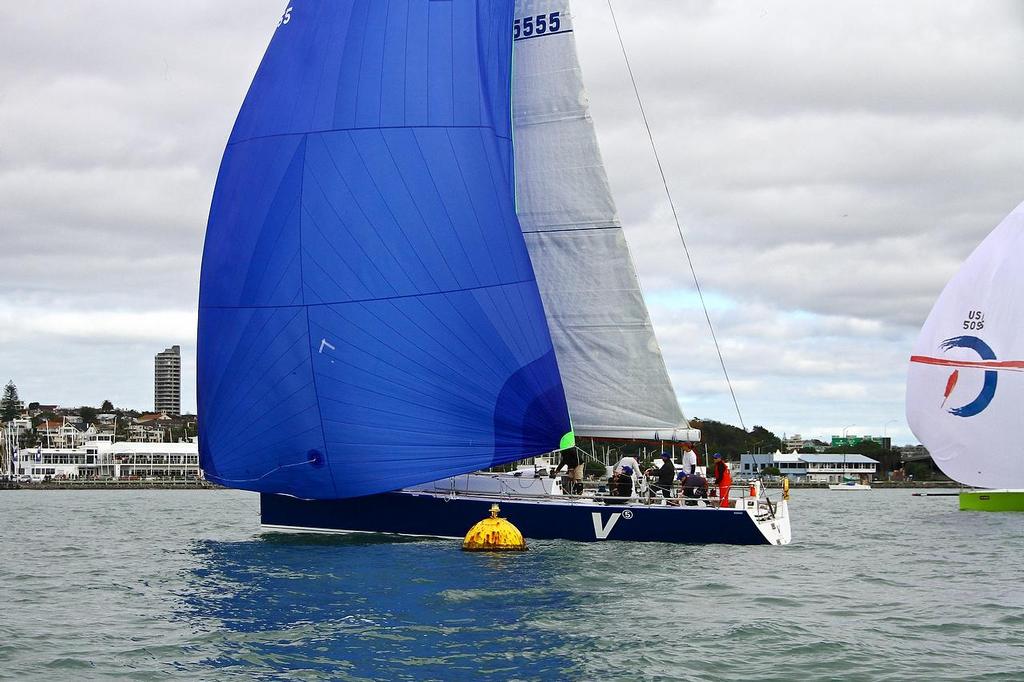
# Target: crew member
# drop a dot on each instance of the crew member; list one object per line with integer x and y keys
{"x": 692, "y": 487}
{"x": 620, "y": 486}
{"x": 689, "y": 459}
{"x": 635, "y": 471}
{"x": 573, "y": 463}
{"x": 627, "y": 461}
{"x": 723, "y": 479}
{"x": 666, "y": 475}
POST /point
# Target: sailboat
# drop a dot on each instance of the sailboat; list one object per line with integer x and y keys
{"x": 965, "y": 381}
{"x": 414, "y": 271}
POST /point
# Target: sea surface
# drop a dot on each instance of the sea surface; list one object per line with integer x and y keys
{"x": 146, "y": 585}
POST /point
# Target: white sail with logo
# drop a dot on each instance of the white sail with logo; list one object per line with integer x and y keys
{"x": 611, "y": 365}
{"x": 965, "y": 387}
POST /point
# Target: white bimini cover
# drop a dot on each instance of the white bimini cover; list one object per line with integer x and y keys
{"x": 965, "y": 387}
{"x": 612, "y": 369}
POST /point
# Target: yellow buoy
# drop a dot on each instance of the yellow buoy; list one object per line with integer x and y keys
{"x": 494, "y": 535}
{"x": 785, "y": 488}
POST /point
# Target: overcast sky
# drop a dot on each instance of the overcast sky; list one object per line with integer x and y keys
{"x": 833, "y": 163}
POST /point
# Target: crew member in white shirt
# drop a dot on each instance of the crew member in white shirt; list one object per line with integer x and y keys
{"x": 689, "y": 459}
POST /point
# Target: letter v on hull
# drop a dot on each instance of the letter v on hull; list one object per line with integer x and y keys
{"x": 602, "y": 531}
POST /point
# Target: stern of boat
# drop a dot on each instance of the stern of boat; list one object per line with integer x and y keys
{"x": 773, "y": 521}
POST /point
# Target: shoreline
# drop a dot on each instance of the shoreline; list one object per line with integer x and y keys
{"x": 112, "y": 485}
{"x": 206, "y": 485}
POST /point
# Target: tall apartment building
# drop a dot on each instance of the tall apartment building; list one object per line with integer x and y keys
{"x": 167, "y": 381}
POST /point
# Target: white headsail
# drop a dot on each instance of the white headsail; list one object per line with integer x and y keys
{"x": 611, "y": 365}
{"x": 965, "y": 388}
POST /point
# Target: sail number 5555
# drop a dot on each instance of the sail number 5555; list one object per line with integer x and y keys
{"x": 535, "y": 26}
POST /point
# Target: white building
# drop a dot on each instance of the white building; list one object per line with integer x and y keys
{"x": 810, "y": 468}
{"x": 99, "y": 458}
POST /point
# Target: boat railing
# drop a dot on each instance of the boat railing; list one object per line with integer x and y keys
{"x": 739, "y": 497}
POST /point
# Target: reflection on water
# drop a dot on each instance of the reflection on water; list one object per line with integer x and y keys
{"x": 370, "y": 607}
{"x": 118, "y": 584}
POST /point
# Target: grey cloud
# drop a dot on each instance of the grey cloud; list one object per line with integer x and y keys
{"x": 833, "y": 164}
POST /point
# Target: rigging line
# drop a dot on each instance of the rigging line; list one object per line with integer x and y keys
{"x": 260, "y": 478}
{"x": 675, "y": 215}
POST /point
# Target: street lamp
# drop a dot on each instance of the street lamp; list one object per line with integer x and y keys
{"x": 887, "y": 426}
{"x": 845, "y": 428}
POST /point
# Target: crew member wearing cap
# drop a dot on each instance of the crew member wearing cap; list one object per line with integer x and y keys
{"x": 620, "y": 486}
{"x": 634, "y": 469}
{"x": 692, "y": 487}
{"x": 723, "y": 479}
{"x": 689, "y": 459}
{"x": 630, "y": 462}
{"x": 666, "y": 475}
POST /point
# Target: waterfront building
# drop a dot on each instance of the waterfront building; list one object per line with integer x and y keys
{"x": 100, "y": 458}
{"x": 167, "y": 381}
{"x": 816, "y": 468}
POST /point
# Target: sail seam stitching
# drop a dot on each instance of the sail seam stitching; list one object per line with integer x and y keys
{"x": 369, "y": 128}
{"x": 574, "y": 229}
{"x": 367, "y": 300}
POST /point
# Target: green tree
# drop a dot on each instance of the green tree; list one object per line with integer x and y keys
{"x": 88, "y": 414}
{"x": 122, "y": 422}
{"x": 764, "y": 440}
{"x": 731, "y": 441}
{"x": 107, "y": 406}
{"x": 9, "y": 404}
{"x": 921, "y": 471}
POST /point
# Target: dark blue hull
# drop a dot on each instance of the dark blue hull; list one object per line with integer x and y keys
{"x": 429, "y": 515}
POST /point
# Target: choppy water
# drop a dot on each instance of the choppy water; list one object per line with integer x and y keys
{"x": 157, "y": 584}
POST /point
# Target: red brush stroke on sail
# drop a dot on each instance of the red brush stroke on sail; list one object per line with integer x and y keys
{"x": 1012, "y": 365}
{"x": 950, "y": 383}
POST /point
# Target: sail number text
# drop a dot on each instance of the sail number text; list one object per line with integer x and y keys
{"x": 975, "y": 320}
{"x": 285, "y": 18}
{"x": 527, "y": 27}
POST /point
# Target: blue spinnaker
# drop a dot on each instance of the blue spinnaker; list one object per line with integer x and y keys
{"x": 368, "y": 313}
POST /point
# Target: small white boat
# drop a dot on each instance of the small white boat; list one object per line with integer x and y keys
{"x": 849, "y": 485}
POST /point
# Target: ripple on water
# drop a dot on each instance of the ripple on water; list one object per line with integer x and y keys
{"x": 155, "y": 584}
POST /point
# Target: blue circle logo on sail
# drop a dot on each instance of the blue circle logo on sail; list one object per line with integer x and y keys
{"x": 988, "y": 388}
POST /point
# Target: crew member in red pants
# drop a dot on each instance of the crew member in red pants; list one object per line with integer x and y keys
{"x": 723, "y": 479}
